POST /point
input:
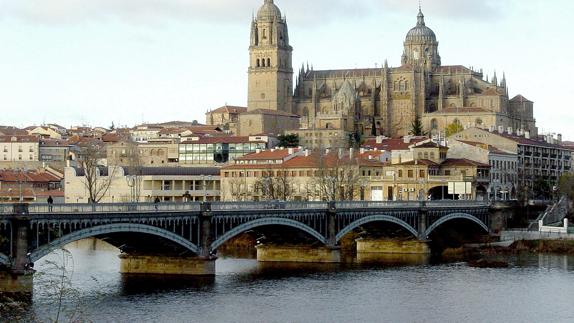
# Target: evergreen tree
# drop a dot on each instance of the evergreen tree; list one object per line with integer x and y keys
{"x": 288, "y": 141}
{"x": 417, "y": 127}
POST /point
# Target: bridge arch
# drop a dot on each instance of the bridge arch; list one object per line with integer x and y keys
{"x": 375, "y": 218}
{"x": 455, "y": 216}
{"x": 111, "y": 228}
{"x": 4, "y": 260}
{"x": 263, "y": 222}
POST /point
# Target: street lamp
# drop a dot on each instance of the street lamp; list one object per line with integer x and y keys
{"x": 131, "y": 180}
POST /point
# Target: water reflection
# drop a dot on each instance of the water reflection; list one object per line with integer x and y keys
{"x": 392, "y": 260}
{"x": 154, "y": 284}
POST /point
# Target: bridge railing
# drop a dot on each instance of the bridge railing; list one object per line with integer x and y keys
{"x": 112, "y": 207}
{"x": 267, "y": 205}
{"x": 230, "y": 206}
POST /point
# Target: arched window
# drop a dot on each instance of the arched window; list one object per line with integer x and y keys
{"x": 258, "y": 63}
{"x": 478, "y": 121}
{"x": 263, "y": 62}
{"x": 269, "y": 62}
{"x": 456, "y": 121}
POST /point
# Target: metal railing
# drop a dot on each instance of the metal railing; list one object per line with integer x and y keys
{"x": 230, "y": 206}
{"x": 113, "y": 207}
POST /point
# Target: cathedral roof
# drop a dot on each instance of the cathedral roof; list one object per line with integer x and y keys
{"x": 421, "y": 33}
{"x": 269, "y": 11}
{"x": 520, "y": 98}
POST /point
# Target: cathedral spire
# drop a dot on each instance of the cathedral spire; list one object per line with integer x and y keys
{"x": 420, "y": 16}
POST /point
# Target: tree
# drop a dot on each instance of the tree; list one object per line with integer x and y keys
{"x": 542, "y": 188}
{"x": 566, "y": 185}
{"x": 134, "y": 169}
{"x": 288, "y": 141}
{"x": 97, "y": 178}
{"x": 417, "y": 127}
{"x": 454, "y": 128}
{"x": 112, "y": 127}
{"x": 275, "y": 185}
{"x": 336, "y": 177}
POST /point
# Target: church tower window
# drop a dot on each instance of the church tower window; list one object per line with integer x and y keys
{"x": 269, "y": 62}
{"x": 258, "y": 63}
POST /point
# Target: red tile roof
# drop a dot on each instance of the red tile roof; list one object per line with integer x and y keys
{"x": 463, "y": 162}
{"x": 392, "y": 144}
{"x": 273, "y": 154}
{"x": 19, "y": 139}
{"x": 28, "y": 176}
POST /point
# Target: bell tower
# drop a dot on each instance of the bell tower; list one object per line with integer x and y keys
{"x": 421, "y": 46}
{"x": 270, "y": 61}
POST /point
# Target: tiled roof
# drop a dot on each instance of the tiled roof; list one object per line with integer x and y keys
{"x": 49, "y": 142}
{"x": 229, "y": 109}
{"x": 273, "y": 154}
{"x": 391, "y": 144}
{"x": 28, "y": 176}
{"x": 462, "y": 162}
{"x": 490, "y": 148}
{"x": 19, "y": 139}
{"x": 424, "y": 162}
{"x": 519, "y": 98}
{"x": 12, "y": 131}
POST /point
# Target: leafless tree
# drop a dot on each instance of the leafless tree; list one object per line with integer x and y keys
{"x": 238, "y": 189}
{"x": 275, "y": 185}
{"x": 97, "y": 177}
{"x": 336, "y": 176}
{"x": 134, "y": 170}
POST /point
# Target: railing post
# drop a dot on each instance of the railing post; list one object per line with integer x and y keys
{"x": 331, "y": 224}
{"x": 423, "y": 212}
{"x": 205, "y": 232}
{"x": 20, "y": 224}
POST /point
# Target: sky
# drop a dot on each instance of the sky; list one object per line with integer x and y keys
{"x": 94, "y": 62}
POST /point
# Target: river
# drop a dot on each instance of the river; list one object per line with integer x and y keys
{"x": 535, "y": 288}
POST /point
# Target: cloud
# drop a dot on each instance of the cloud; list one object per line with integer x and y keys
{"x": 229, "y": 11}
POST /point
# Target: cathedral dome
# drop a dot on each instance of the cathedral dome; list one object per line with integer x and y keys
{"x": 421, "y": 33}
{"x": 269, "y": 11}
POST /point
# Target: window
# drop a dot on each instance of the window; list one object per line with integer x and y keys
{"x": 447, "y": 172}
{"x": 258, "y": 63}
{"x": 269, "y": 62}
{"x": 400, "y": 173}
{"x": 421, "y": 173}
{"x": 410, "y": 173}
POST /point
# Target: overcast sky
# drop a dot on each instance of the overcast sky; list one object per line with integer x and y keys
{"x": 126, "y": 61}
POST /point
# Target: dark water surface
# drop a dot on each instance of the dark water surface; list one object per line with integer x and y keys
{"x": 534, "y": 289}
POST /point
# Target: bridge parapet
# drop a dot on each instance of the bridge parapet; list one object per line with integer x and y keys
{"x": 113, "y": 208}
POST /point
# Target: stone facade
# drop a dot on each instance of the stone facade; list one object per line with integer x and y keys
{"x": 378, "y": 101}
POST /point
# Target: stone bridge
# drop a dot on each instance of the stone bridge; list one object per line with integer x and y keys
{"x": 29, "y": 232}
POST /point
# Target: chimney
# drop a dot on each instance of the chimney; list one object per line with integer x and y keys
{"x": 362, "y": 151}
{"x": 258, "y": 151}
{"x": 509, "y": 129}
{"x": 379, "y": 139}
{"x": 500, "y": 129}
{"x": 559, "y": 138}
{"x": 327, "y": 151}
{"x": 340, "y": 152}
{"x": 351, "y": 153}
{"x": 306, "y": 152}
{"x": 272, "y": 149}
{"x": 407, "y": 139}
{"x": 527, "y": 134}
{"x": 290, "y": 151}
{"x": 491, "y": 128}
{"x": 370, "y": 157}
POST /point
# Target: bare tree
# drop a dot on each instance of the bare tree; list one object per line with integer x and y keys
{"x": 134, "y": 170}
{"x": 336, "y": 177}
{"x": 275, "y": 185}
{"x": 97, "y": 177}
{"x": 238, "y": 189}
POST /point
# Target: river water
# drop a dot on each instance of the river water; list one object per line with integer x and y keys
{"x": 535, "y": 288}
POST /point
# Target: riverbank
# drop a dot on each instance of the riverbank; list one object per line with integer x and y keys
{"x": 557, "y": 247}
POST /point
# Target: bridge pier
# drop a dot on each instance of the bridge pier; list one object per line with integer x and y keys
{"x": 393, "y": 246}
{"x": 17, "y": 278}
{"x": 164, "y": 265}
{"x": 309, "y": 254}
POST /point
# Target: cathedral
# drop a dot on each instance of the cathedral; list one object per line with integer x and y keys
{"x": 372, "y": 101}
